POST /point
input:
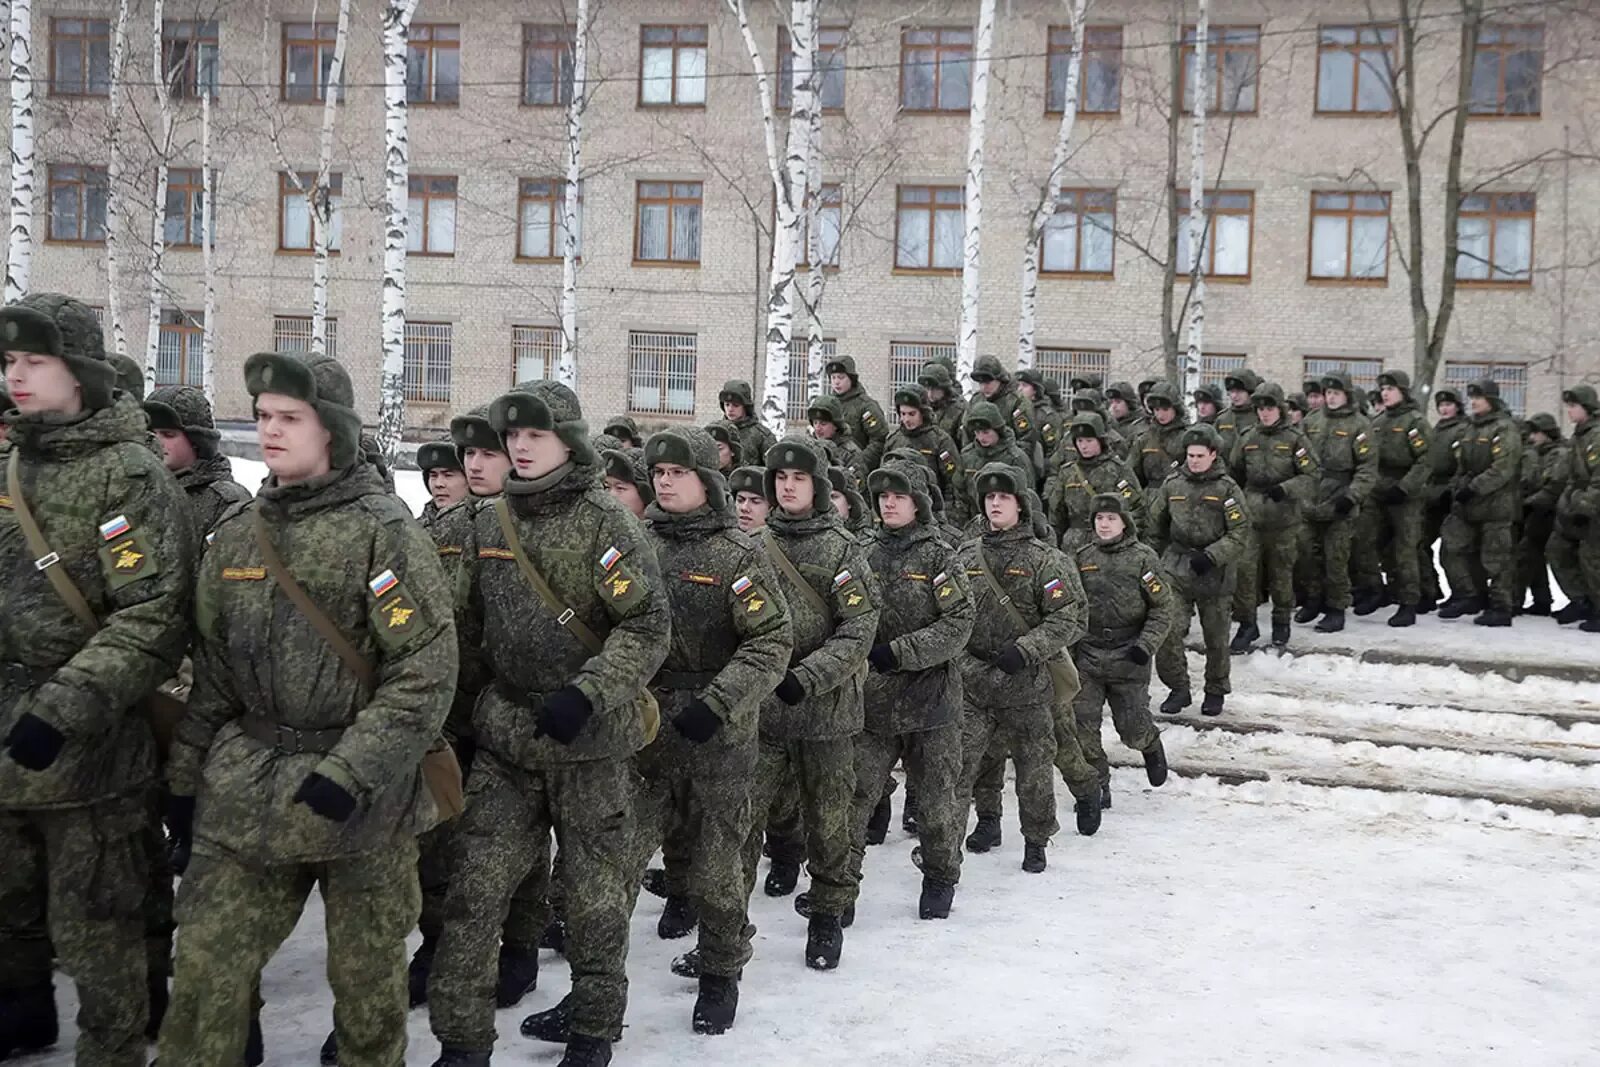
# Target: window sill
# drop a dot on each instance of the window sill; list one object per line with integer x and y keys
{"x": 435, "y": 105}
{"x": 1476, "y": 283}
{"x": 69, "y": 243}
{"x": 333, "y": 253}
{"x": 1348, "y": 283}
{"x": 57, "y": 94}
{"x": 315, "y": 102}
{"x": 541, "y": 261}
{"x": 1214, "y": 279}
{"x": 535, "y": 106}
{"x": 928, "y": 272}
{"x": 413, "y": 402}
{"x": 1079, "y": 275}
{"x": 945, "y": 112}
{"x": 413, "y": 254}
{"x": 1389, "y": 114}
{"x": 1252, "y": 113}
{"x": 671, "y": 264}
{"x": 1082, "y": 114}
{"x": 827, "y": 268}
{"x": 1491, "y": 116}
{"x": 642, "y": 106}
{"x": 667, "y": 415}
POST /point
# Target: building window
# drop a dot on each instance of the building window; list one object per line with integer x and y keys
{"x": 1099, "y": 74}
{"x": 295, "y": 220}
{"x": 1494, "y": 239}
{"x": 1512, "y": 378}
{"x": 1363, "y": 373}
{"x": 1350, "y": 237}
{"x": 433, "y": 65}
{"x": 189, "y": 50}
{"x": 935, "y": 69}
{"x": 1065, "y": 364}
{"x": 672, "y": 66}
{"x": 1355, "y": 70}
{"x": 1233, "y": 62}
{"x": 1078, "y": 239}
{"x": 184, "y": 221}
{"x": 547, "y": 66}
{"x": 830, "y": 225}
{"x": 292, "y": 333}
{"x": 930, "y": 224}
{"x": 830, "y": 61}
{"x": 1508, "y": 71}
{"x": 431, "y": 217}
{"x": 907, "y": 358}
{"x": 1230, "y": 220}
{"x": 80, "y": 57}
{"x": 661, "y": 373}
{"x": 308, "y": 60}
{"x": 802, "y": 389}
{"x": 180, "y": 349}
{"x": 1215, "y": 366}
{"x": 540, "y": 233}
{"x": 427, "y": 368}
{"x": 668, "y": 223}
{"x": 77, "y": 204}
{"x": 534, "y": 351}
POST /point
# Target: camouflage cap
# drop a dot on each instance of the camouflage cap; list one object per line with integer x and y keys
{"x": 1545, "y": 423}
{"x": 1267, "y": 395}
{"x": 1163, "y": 393}
{"x": 983, "y": 415}
{"x": 936, "y": 376}
{"x": 1445, "y": 392}
{"x": 1052, "y": 390}
{"x": 1034, "y": 377}
{"x": 1211, "y": 392}
{"x": 1296, "y": 402}
{"x": 437, "y": 456}
{"x": 739, "y": 392}
{"x": 1243, "y": 378}
{"x": 1088, "y": 399}
{"x": 911, "y": 479}
{"x": 825, "y": 408}
{"x": 1146, "y": 385}
{"x": 627, "y": 464}
{"x": 1113, "y": 503}
{"x": 1123, "y": 391}
{"x": 1582, "y": 395}
{"x": 1397, "y": 378}
{"x": 130, "y": 376}
{"x": 1205, "y": 435}
{"x": 693, "y": 449}
{"x": 727, "y": 433}
{"x": 1084, "y": 381}
{"x": 842, "y": 365}
{"x": 545, "y": 405}
{"x": 989, "y": 367}
{"x": 1001, "y": 478}
{"x": 320, "y": 381}
{"x": 184, "y": 408}
{"x": 629, "y": 430}
{"x": 1088, "y": 424}
{"x": 1337, "y": 380}
{"x": 54, "y": 324}
{"x": 843, "y": 481}
{"x": 913, "y": 396}
{"x": 803, "y": 454}
{"x": 472, "y": 430}
{"x": 1311, "y": 387}
{"x": 1487, "y": 388}
{"x": 747, "y": 480}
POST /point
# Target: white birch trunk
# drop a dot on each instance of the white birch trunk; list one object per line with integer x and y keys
{"x": 1197, "y": 189}
{"x": 19, "y": 247}
{"x": 396, "y": 172}
{"x": 208, "y": 335}
{"x": 119, "y": 51}
{"x": 567, "y": 364}
{"x": 158, "y": 213}
{"x": 815, "y": 276}
{"x": 1046, "y": 209}
{"x": 319, "y": 198}
{"x": 967, "y": 350}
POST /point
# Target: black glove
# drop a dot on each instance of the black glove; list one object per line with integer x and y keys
{"x": 1466, "y": 494}
{"x": 697, "y": 721}
{"x": 1392, "y": 494}
{"x": 1137, "y": 655}
{"x": 178, "y": 813}
{"x": 883, "y": 659}
{"x": 34, "y": 743}
{"x": 563, "y": 714}
{"x": 1343, "y": 505}
{"x": 1276, "y": 494}
{"x": 1201, "y": 563}
{"x": 1011, "y": 659}
{"x": 790, "y": 691}
{"x": 325, "y": 797}
{"x": 1442, "y": 500}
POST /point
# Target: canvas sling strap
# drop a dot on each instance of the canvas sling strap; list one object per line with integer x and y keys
{"x": 791, "y": 572}
{"x": 649, "y": 709}
{"x": 441, "y": 772}
{"x": 1063, "y": 672}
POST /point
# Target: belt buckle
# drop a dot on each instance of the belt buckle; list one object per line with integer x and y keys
{"x": 283, "y": 732}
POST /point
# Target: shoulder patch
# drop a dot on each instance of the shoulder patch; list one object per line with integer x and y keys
{"x": 125, "y": 557}
{"x": 1151, "y": 582}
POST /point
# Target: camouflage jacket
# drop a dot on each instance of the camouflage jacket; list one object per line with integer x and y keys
{"x": 450, "y": 529}
{"x": 1071, "y": 489}
{"x": 1156, "y": 452}
{"x": 1231, "y": 422}
{"x": 841, "y": 452}
{"x": 1488, "y": 455}
{"x": 1549, "y": 476}
{"x": 1265, "y": 456}
{"x": 732, "y": 636}
{"x": 755, "y": 438}
{"x": 1195, "y": 513}
{"x": 973, "y": 458}
{"x": 830, "y": 651}
{"x": 1127, "y": 593}
{"x": 938, "y": 450}
{"x": 1442, "y": 456}
{"x": 599, "y": 561}
{"x": 122, "y": 530}
{"x": 865, "y": 424}
{"x": 1345, "y": 458}
{"x": 1580, "y": 497}
{"x": 359, "y": 555}
{"x": 1018, "y": 413}
{"x": 211, "y": 490}
{"x": 1044, "y": 588}
{"x": 926, "y": 620}
{"x": 947, "y": 415}
{"x": 1401, "y": 437}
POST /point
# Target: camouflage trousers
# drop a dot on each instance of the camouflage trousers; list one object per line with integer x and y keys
{"x": 1386, "y": 537}
{"x": 933, "y": 762}
{"x": 76, "y": 877}
{"x": 532, "y": 905}
{"x": 232, "y": 916}
{"x": 1480, "y": 560}
{"x": 505, "y": 834}
{"x": 1247, "y": 590}
{"x": 825, "y": 771}
{"x": 1324, "y": 562}
{"x": 1080, "y": 775}
{"x": 1171, "y": 662}
{"x": 1575, "y": 561}
{"x": 1533, "y": 572}
{"x": 699, "y": 795}
{"x": 1029, "y": 732}
{"x": 1277, "y": 551}
{"x": 1433, "y": 516}
{"x": 1107, "y": 675}
{"x": 786, "y": 831}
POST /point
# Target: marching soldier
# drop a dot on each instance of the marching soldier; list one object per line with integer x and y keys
{"x": 1295, "y": 406}
{"x": 443, "y": 475}
{"x": 1240, "y": 414}
{"x": 1091, "y": 402}
{"x": 730, "y": 446}
{"x": 1541, "y": 489}
{"x": 1126, "y": 408}
{"x": 1312, "y": 389}
{"x": 739, "y": 408}
{"x": 1088, "y": 469}
{"x": 1031, "y": 386}
{"x": 847, "y": 501}
{"x": 1158, "y": 450}
{"x": 1436, "y": 494}
{"x": 625, "y": 430}
{"x": 1347, "y": 462}
{"x": 944, "y": 397}
{"x": 749, "y": 498}
{"x": 919, "y": 432}
{"x": 863, "y": 419}
{"x": 830, "y": 425}
{"x": 990, "y": 439}
{"x": 1390, "y": 524}
{"x": 627, "y": 479}
{"x": 1574, "y": 546}
{"x": 1016, "y": 410}
{"x": 1479, "y": 555}
{"x": 1208, "y": 404}
{"x": 180, "y": 417}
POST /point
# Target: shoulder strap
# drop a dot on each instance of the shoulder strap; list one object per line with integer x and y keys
{"x": 564, "y": 615}
{"x": 359, "y": 665}
{"x": 803, "y": 587}
{"x": 1005, "y": 598}
{"x": 46, "y": 560}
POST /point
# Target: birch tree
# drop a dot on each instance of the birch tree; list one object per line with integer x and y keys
{"x": 567, "y": 364}
{"x": 814, "y": 254}
{"x": 1197, "y": 189}
{"x": 396, "y": 175}
{"x": 319, "y": 197}
{"x": 967, "y": 352}
{"x": 208, "y": 214}
{"x": 114, "y": 178}
{"x": 19, "y": 248}
{"x": 160, "y": 80}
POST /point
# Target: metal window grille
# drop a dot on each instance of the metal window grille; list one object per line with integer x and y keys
{"x": 1215, "y": 366}
{"x": 179, "y": 349}
{"x": 907, "y": 358}
{"x": 802, "y": 387}
{"x": 1363, "y": 372}
{"x": 1065, "y": 364}
{"x": 1512, "y": 378}
{"x": 661, "y": 373}
{"x": 534, "y": 350}
{"x": 427, "y": 369}
{"x": 292, "y": 333}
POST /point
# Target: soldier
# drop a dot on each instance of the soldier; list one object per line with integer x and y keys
{"x": 1295, "y": 404}
{"x": 627, "y": 479}
{"x": 1541, "y": 489}
{"x": 1479, "y": 555}
{"x": 1272, "y": 461}
{"x": 828, "y": 425}
{"x": 1312, "y": 388}
{"x": 1158, "y": 450}
{"x": 1088, "y": 469}
{"x": 1207, "y": 403}
{"x": 1574, "y": 546}
{"x": 557, "y": 728}
{"x": 730, "y": 446}
{"x": 1130, "y": 611}
{"x": 1032, "y": 606}
{"x": 1240, "y": 414}
{"x": 1346, "y": 462}
{"x": 77, "y": 762}
{"x": 739, "y": 408}
{"x": 1199, "y": 526}
{"x": 1030, "y": 385}
{"x": 749, "y": 498}
{"x": 810, "y": 722}
{"x": 625, "y": 430}
{"x": 1436, "y": 495}
{"x": 1015, "y": 409}
{"x": 1091, "y": 401}
{"x": 913, "y": 692}
{"x": 862, "y": 418}
{"x": 1126, "y": 408}
{"x": 949, "y": 407}
{"x": 1389, "y": 527}
{"x": 310, "y": 767}
{"x": 442, "y": 473}
{"x": 919, "y": 432}
{"x": 989, "y": 440}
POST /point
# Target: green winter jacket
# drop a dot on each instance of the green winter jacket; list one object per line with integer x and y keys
{"x": 1347, "y": 462}
{"x": 211, "y": 490}
{"x": 1265, "y": 456}
{"x": 1488, "y": 457}
{"x": 1071, "y": 490}
{"x": 1442, "y": 458}
{"x": 1200, "y": 513}
{"x": 1402, "y": 438}
{"x": 1579, "y": 505}
{"x": 1130, "y": 600}
{"x": 1549, "y": 477}
{"x": 864, "y": 422}
{"x": 1157, "y": 451}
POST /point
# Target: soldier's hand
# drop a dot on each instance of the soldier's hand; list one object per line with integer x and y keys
{"x": 883, "y": 659}
{"x": 697, "y": 721}
{"x": 325, "y": 797}
{"x": 563, "y": 714}
{"x": 1276, "y": 494}
{"x": 1011, "y": 660}
{"x": 34, "y": 743}
{"x": 1466, "y": 494}
{"x": 1343, "y": 505}
{"x": 1137, "y": 655}
{"x": 1201, "y": 563}
{"x": 790, "y": 691}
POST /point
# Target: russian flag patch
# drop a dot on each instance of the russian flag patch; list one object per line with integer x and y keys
{"x": 840, "y": 579}
{"x": 609, "y": 558}
{"x": 742, "y": 586}
{"x": 383, "y": 583}
{"x": 1052, "y": 585}
{"x": 115, "y": 528}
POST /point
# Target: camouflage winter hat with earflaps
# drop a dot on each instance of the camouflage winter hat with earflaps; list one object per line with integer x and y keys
{"x": 804, "y": 454}
{"x": 545, "y": 405}
{"x": 627, "y": 464}
{"x": 828, "y": 407}
{"x": 1088, "y": 424}
{"x": 629, "y": 428}
{"x": 843, "y": 481}
{"x": 694, "y": 449}
{"x": 320, "y": 381}
{"x": 989, "y": 367}
{"x": 184, "y": 408}
{"x": 914, "y": 396}
{"x": 130, "y": 376}
{"x": 739, "y": 392}
{"x": 54, "y": 324}
{"x": 1584, "y": 396}
{"x": 472, "y": 430}
{"x": 983, "y": 415}
{"x": 900, "y": 476}
{"x": 1545, "y": 423}
{"x": 843, "y": 365}
{"x": 936, "y": 376}
{"x": 1001, "y": 478}
{"x": 747, "y": 480}
{"x": 438, "y": 455}
{"x": 1397, "y": 378}
{"x": 1270, "y": 395}
{"x": 1204, "y": 434}
{"x": 723, "y": 431}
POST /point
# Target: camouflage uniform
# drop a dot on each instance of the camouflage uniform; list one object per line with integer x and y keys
{"x": 724, "y": 432}
{"x": 754, "y": 437}
{"x": 79, "y": 757}
{"x": 1436, "y": 494}
{"x": 842, "y": 449}
{"x": 1070, "y": 489}
{"x": 1016, "y": 410}
{"x": 1389, "y": 527}
{"x": 1158, "y": 450}
{"x": 1278, "y": 472}
{"x": 937, "y": 449}
{"x": 208, "y": 484}
{"x": 1046, "y": 419}
{"x": 1133, "y": 424}
{"x": 863, "y": 418}
{"x": 625, "y": 430}
{"x": 1574, "y": 546}
{"x": 949, "y": 412}
{"x": 1478, "y": 552}
{"x": 1343, "y": 450}
{"x": 1545, "y": 467}
{"x": 859, "y": 520}
{"x": 982, "y": 415}
{"x": 557, "y": 727}
{"x": 1233, "y": 419}
{"x": 1090, "y": 401}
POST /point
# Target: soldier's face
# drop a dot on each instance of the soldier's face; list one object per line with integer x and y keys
{"x": 839, "y": 382}
{"x": 1163, "y": 413}
{"x": 935, "y": 394}
{"x": 840, "y": 502}
{"x": 1199, "y": 458}
{"x": 1240, "y": 397}
{"x": 1539, "y": 437}
{"x": 486, "y": 470}
{"x": 1577, "y": 414}
{"x": 752, "y": 509}
{"x": 1315, "y": 400}
{"x": 724, "y": 456}
{"x": 176, "y": 450}
{"x": 1027, "y": 390}
{"x": 910, "y": 418}
{"x": 1118, "y": 407}
{"x": 796, "y": 494}
{"x": 1002, "y": 510}
{"x": 896, "y": 509}
{"x": 1391, "y": 396}
{"x": 1206, "y": 408}
{"x": 1334, "y": 399}
{"x": 988, "y": 386}
{"x": 294, "y": 445}
{"x": 824, "y": 429}
{"x": 627, "y": 493}
{"x": 1479, "y": 405}
{"x": 42, "y": 384}
{"x": 986, "y": 437}
{"x": 678, "y": 489}
{"x": 1268, "y": 415}
{"x": 447, "y": 487}
{"x": 733, "y": 410}
{"x": 535, "y": 453}
{"x": 1296, "y": 416}
{"x": 1108, "y": 525}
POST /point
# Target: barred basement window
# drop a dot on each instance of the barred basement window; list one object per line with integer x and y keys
{"x": 661, "y": 373}
{"x": 427, "y": 368}
{"x": 1363, "y": 373}
{"x": 1065, "y": 364}
{"x": 179, "y": 350}
{"x": 907, "y": 358}
{"x": 1512, "y": 378}
{"x": 1215, "y": 366}
{"x": 292, "y": 333}
{"x": 534, "y": 350}
{"x": 801, "y": 388}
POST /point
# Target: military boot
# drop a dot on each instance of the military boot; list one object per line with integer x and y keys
{"x": 1501, "y": 617}
{"x": 985, "y": 835}
{"x": 586, "y": 1051}
{"x": 1246, "y": 637}
{"x": 824, "y": 942}
{"x": 655, "y": 882}
{"x": 1575, "y": 611}
{"x": 158, "y": 1005}
{"x": 1105, "y": 795}
{"x": 1591, "y": 625}
{"x": 678, "y": 919}
{"x": 1404, "y": 615}
{"x": 518, "y": 975}
{"x": 686, "y": 965}
{"x": 717, "y": 1004}
{"x": 1540, "y": 607}
{"x": 1033, "y": 860}
{"x": 1457, "y": 606}
{"x": 1087, "y": 810}
{"x": 1367, "y": 601}
{"x": 554, "y": 937}
{"x": 802, "y": 908}
{"x": 1280, "y": 635}
{"x": 418, "y": 970}
{"x": 255, "y": 1052}
{"x": 878, "y": 824}
{"x": 460, "y": 1057}
{"x": 935, "y": 900}
{"x": 781, "y": 878}
{"x": 1176, "y": 701}
{"x": 328, "y": 1056}
{"x": 554, "y": 1024}
{"x": 1212, "y": 704}
{"x": 1331, "y": 622}
{"x": 908, "y": 813}
{"x": 27, "y": 1020}
{"x": 1308, "y": 611}
{"x": 1155, "y": 763}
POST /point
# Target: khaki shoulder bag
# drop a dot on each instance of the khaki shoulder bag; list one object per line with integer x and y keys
{"x": 1063, "y": 672}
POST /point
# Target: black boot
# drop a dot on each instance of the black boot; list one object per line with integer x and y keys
{"x": 1088, "y": 809}
{"x": 1280, "y": 635}
{"x": 878, "y": 824}
{"x": 1245, "y": 638}
{"x": 1033, "y": 857}
{"x": 1332, "y": 621}
{"x": 1404, "y": 615}
{"x": 1155, "y": 763}
{"x": 1591, "y": 625}
{"x": 935, "y": 900}
{"x": 678, "y": 919}
{"x": 1308, "y": 611}
{"x": 908, "y": 813}
{"x": 553, "y": 1024}
{"x": 1576, "y": 611}
{"x": 824, "y": 942}
{"x": 781, "y": 878}
{"x": 1212, "y": 704}
{"x": 554, "y": 937}
{"x": 1176, "y": 701}
{"x": 255, "y": 1050}
{"x": 1105, "y": 795}
{"x": 1499, "y": 617}
{"x": 460, "y": 1057}
{"x": 802, "y": 908}
{"x": 655, "y": 882}
{"x": 519, "y": 975}
{"x": 985, "y": 835}
{"x": 27, "y": 1020}
{"x": 1367, "y": 601}
{"x": 717, "y": 1004}
{"x": 1540, "y": 607}
{"x": 417, "y": 972}
{"x": 687, "y": 965}
{"x": 585, "y": 1051}
{"x": 1458, "y": 606}
{"x": 329, "y": 1055}
{"x": 158, "y": 1005}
